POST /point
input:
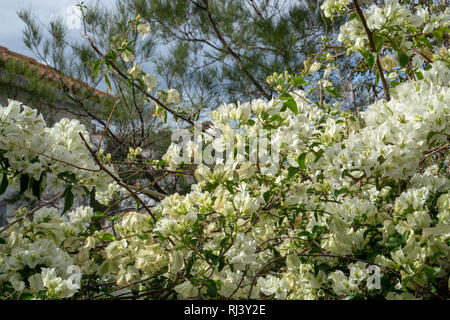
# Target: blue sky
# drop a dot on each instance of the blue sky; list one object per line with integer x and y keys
{"x": 11, "y": 26}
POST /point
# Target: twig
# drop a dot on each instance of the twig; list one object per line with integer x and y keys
{"x": 374, "y": 50}
{"x": 118, "y": 180}
{"x": 45, "y": 203}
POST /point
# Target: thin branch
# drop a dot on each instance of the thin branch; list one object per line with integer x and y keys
{"x": 118, "y": 180}
{"x": 374, "y": 50}
{"x": 234, "y": 54}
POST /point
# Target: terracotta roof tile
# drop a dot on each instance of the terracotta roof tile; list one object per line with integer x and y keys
{"x": 44, "y": 70}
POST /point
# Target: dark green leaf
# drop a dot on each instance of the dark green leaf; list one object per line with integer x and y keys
{"x": 4, "y": 184}
{"x": 333, "y": 91}
{"x": 340, "y": 191}
{"x": 402, "y": 59}
{"x": 292, "y": 171}
{"x": 301, "y": 160}
{"x": 370, "y": 59}
{"x": 221, "y": 263}
{"x": 303, "y": 234}
{"x": 68, "y": 199}
{"x": 378, "y": 41}
{"x": 36, "y": 187}
{"x": 266, "y": 196}
{"x": 318, "y": 155}
{"x": 430, "y": 135}
{"x": 405, "y": 236}
{"x": 24, "y": 181}
{"x": 211, "y": 289}
{"x": 431, "y": 272}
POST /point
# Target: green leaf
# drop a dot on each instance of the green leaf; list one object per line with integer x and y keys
{"x": 419, "y": 75}
{"x": 431, "y": 272}
{"x": 115, "y": 218}
{"x": 378, "y": 41}
{"x": 213, "y": 258}
{"x": 24, "y": 181}
{"x": 304, "y": 234}
{"x": 266, "y": 196}
{"x": 285, "y": 96}
{"x": 340, "y": 191}
{"x": 430, "y": 135}
{"x": 108, "y": 83}
{"x": 221, "y": 263}
{"x": 108, "y": 237}
{"x": 264, "y": 115}
{"x": 299, "y": 81}
{"x": 381, "y": 159}
{"x": 224, "y": 242}
{"x": 36, "y": 187}
{"x": 68, "y": 199}
{"x": 405, "y": 236}
{"x": 370, "y": 59}
{"x": 291, "y": 172}
{"x": 26, "y": 296}
{"x": 211, "y": 289}
{"x": 402, "y": 59}
{"x": 333, "y": 91}
{"x": 438, "y": 34}
{"x": 276, "y": 117}
{"x": 98, "y": 214}
{"x": 301, "y": 160}
{"x": 190, "y": 264}
{"x": 4, "y": 184}
{"x": 318, "y": 155}
{"x": 292, "y": 105}
{"x": 95, "y": 67}
{"x": 138, "y": 204}
{"x": 394, "y": 83}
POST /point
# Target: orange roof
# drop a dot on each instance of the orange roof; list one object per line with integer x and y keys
{"x": 45, "y": 70}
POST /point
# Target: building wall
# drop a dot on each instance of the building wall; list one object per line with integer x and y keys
{"x": 16, "y": 87}
{"x": 53, "y": 108}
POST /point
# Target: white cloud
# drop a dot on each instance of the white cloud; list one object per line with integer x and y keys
{"x": 11, "y": 26}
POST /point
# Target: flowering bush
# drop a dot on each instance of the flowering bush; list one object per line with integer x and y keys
{"x": 356, "y": 206}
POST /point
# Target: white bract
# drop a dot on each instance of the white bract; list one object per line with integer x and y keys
{"x": 335, "y": 197}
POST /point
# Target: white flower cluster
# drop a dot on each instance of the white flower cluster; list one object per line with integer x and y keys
{"x": 33, "y": 149}
{"x": 362, "y": 159}
{"x": 396, "y": 132}
{"x": 392, "y": 20}
{"x": 341, "y": 202}
{"x": 36, "y": 258}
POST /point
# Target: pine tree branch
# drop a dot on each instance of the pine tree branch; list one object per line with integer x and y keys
{"x": 234, "y": 54}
